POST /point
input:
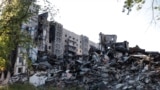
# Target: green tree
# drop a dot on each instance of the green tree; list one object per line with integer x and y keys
{"x": 13, "y": 14}
{"x": 138, "y": 4}
{"x": 153, "y": 7}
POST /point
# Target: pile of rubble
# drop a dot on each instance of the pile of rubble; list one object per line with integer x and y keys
{"x": 136, "y": 72}
{"x": 115, "y": 69}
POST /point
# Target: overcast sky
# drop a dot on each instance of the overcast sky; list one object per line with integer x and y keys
{"x": 90, "y": 17}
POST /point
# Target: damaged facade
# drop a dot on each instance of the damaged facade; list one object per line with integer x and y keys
{"x": 112, "y": 66}
{"x": 20, "y": 65}
{"x": 71, "y": 43}
{"x": 53, "y": 39}
{"x": 116, "y": 67}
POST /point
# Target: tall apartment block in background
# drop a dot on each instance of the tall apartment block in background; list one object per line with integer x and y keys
{"x": 75, "y": 44}
{"x": 85, "y": 44}
{"x": 55, "y": 45}
{"x": 41, "y": 37}
{"x": 71, "y": 43}
{"x": 49, "y": 36}
{"x": 53, "y": 39}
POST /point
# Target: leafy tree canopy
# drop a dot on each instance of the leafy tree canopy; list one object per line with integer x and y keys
{"x": 13, "y": 14}
{"x": 138, "y": 4}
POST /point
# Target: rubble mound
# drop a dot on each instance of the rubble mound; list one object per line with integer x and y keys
{"x": 131, "y": 72}
{"x": 138, "y": 72}
{"x": 118, "y": 67}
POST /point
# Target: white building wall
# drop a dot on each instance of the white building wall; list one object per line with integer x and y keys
{"x": 37, "y": 79}
{"x": 20, "y": 62}
{"x": 93, "y": 44}
{"x": 78, "y": 40}
{"x": 75, "y": 37}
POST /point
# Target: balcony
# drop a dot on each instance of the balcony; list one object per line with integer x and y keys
{"x": 72, "y": 44}
{"x": 71, "y": 48}
{"x": 71, "y": 40}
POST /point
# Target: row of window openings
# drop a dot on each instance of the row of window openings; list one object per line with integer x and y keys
{"x": 73, "y": 38}
{"x": 74, "y": 44}
{"x": 58, "y": 51}
{"x": 79, "y": 50}
{"x": 66, "y": 41}
{"x": 58, "y": 46}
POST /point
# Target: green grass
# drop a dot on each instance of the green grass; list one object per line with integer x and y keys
{"x": 27, "y": 86}
{"x": 17, "y": 86}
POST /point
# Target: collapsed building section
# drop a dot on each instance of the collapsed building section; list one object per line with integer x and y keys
{"x": 53, "y": 39}
{"x": 106, "y": 41}
{"x": 41, "y": 36}
{"x": 116, "y": 67}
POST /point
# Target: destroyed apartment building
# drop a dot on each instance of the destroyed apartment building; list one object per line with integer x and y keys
{"x": 116, "y": 67}
{"x": 53, "y": 39}
{"x": 50, "y": 40}
{"x": 62, "y": 58}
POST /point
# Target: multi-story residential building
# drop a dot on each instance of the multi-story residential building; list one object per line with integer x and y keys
{"x": 55, "y": 39}
{"x": 81, "y": 43}
{"x": 71, "y": 43}
{"x": 20, "y": 65}
{"x": 49, "y": 36}
{"x": 85, "y": 44}
{"x": 91, "y": 43}
{"x": 43, "y": 30}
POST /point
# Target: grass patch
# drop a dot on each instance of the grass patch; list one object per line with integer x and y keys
{"x": 27, "y": 86}
{"x": 18, "y": 86}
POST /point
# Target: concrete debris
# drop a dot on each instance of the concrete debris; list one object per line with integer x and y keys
{"x": 18, "y": 78}
{"x": 38, "y": 79}
{"x": 115, "y": 66}
{"x": 113, "y": 69}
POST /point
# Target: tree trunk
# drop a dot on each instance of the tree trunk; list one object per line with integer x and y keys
{"x": 2, "y": 76}
{"x": 7, "y": 78}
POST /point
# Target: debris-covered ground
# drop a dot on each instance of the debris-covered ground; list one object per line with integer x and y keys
{"x": 115, "y": 69}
